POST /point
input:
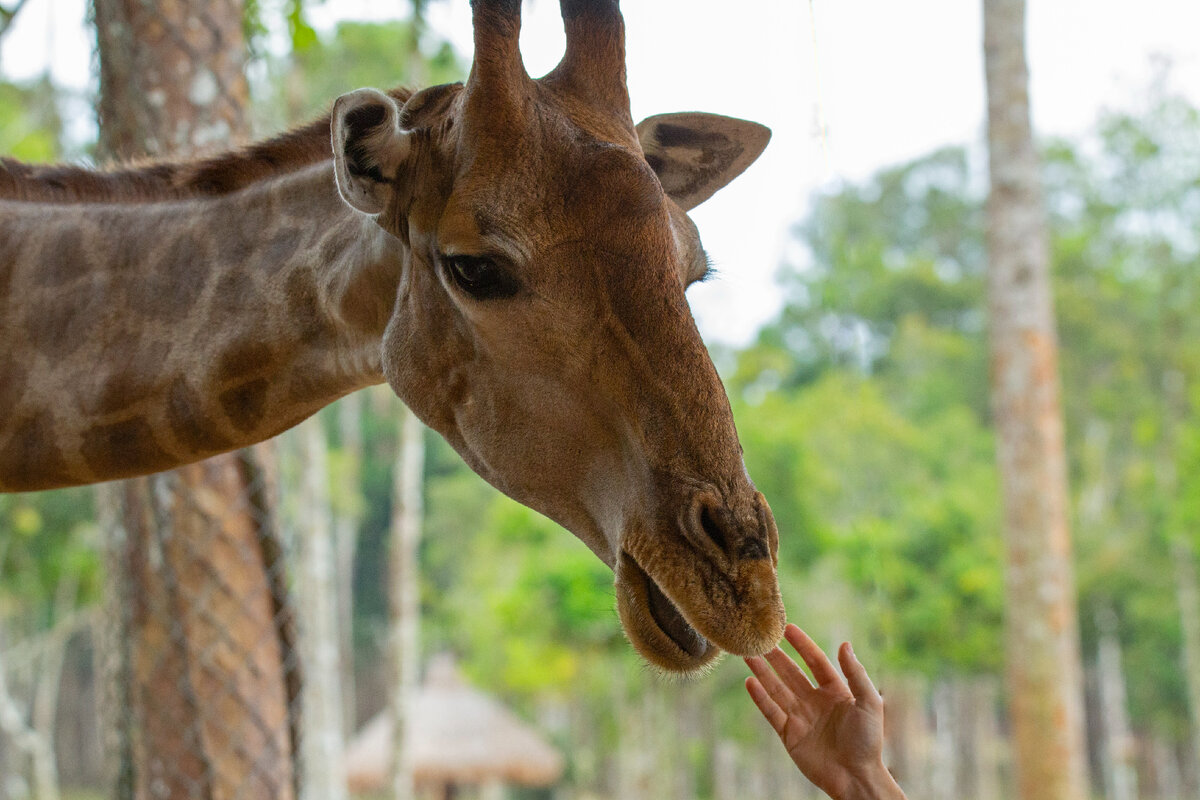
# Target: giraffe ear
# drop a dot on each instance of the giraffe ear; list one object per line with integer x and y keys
{"x": 368, "y": 148}
{"x": 695, "y": 154}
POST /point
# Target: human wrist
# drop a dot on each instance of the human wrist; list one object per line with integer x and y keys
{"x": 873, "y": 783}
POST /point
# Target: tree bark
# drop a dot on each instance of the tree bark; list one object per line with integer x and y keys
{"x": 1044, "y": 670}
{"x": 405, "y": 595}
{"x": 172, "y": 76}
{"x": 206, "y": 698}
{"x": 208, "y": 701}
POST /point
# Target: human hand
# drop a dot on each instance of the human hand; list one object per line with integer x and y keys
{"x": 834, "y": 730}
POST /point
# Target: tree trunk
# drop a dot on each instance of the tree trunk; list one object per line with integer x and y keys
{"x": 205, "y": 639}
{"x": 37, "y": 745}
{"x": 908, "y": 740}
{"x": 172, "y": 76}
{"x": 989, "y": 742}
{"x": 726, "y": 783}
{"x": 945, "y": 739}
{"x": 405, "y": 594}
{"x": 348, "y": 513}
{"x": 1044, "y": 670}
{"x": 322, "y": 742}
{"x": 1120, "y": 777}
{"x": 208, "y": 701}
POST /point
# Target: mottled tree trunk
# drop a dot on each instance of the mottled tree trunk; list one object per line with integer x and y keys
{"x": 207, "y": 714}
{"x": 205, "y": 692}
{"x": 172, "y": 76}
{"x": 1042, "y": 630}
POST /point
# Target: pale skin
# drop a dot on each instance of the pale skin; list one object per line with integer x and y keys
{"x": 831, "y": 726}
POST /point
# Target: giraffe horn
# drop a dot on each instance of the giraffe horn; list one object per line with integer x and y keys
{"x": 497, "y": 67}
{"x": 594, "y": 63}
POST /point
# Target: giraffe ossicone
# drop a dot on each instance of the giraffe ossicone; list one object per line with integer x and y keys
{"x": 509, "y": 254}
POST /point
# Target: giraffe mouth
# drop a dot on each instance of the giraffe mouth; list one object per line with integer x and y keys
{"x": 655, "y": 625}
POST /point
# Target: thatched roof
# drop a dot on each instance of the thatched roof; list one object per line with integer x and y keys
{"x": 459, "y": 735}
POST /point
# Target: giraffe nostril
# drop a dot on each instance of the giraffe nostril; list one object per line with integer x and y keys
{"x": 712, "y": 528}
{"x": 753, "y": 548}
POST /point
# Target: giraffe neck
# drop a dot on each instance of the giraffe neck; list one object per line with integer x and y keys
{"x": 139, "y": 336}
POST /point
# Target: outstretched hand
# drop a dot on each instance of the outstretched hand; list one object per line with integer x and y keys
{"x": 832, "y": 730}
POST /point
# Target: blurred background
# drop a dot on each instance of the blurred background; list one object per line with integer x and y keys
{"x": 848, "y": 321}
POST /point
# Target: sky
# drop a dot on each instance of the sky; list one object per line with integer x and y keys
{"x": 847, "y": 86}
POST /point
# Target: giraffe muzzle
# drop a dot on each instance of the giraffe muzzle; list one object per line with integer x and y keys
{"x": 709, "y": 585}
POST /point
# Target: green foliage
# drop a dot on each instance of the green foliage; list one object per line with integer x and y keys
{"x": 355, "y": 54}
{"x": 45, "y": 538}
{"x": 30, "y": 124}
{"x": 549, "y": 594}
{"x": 865, "y": 403}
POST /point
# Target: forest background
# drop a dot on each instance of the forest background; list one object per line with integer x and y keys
{"x": 863, "y": 409}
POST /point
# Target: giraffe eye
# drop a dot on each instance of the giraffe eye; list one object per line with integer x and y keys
{"x": 480, "y": 277}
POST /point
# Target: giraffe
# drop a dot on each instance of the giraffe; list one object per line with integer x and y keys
{"x": 509, "y": 254}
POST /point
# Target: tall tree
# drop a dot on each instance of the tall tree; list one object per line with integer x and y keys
{"x": 204, "y": 695}
{"x": 1041, "y": 626}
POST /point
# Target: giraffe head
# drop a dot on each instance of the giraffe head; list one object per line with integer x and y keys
{"x": 541, "y": 325}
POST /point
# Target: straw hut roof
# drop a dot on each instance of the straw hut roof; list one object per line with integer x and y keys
{"x": 459, "y": 735}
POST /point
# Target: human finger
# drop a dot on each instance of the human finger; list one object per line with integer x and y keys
{"x": 771, "y": 711}
{"x": 822, "y": 668}
{"x": 788, "y": 671}
{"x": 779, "y": 692}
{"x": 861, "y": 687}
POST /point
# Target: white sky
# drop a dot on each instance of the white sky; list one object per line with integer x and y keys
{"x": 890, "y": 81}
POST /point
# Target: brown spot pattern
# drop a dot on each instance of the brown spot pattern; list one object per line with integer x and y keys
{"x": 194, "y": 429}
{"x": 306, "y": 316}
{"x": 246, "y": 404}
{"x": 11, "y": 248}
{"x": 60, "y": 326}
{"x": 62, "y": 258}
{"x": 121, "y": 391}
{"x": 124, "y": 448}
{"x": 237, "y": 297}
{"x": 279, "y": 250}
{"x": 173, "y": 289}
{"x": 334, "y": 243}
{"x": 29, "y": 460}
{"x": 13, "y": 379}
{"x": 238, "y": 239}
{"x": 243, "y": 359}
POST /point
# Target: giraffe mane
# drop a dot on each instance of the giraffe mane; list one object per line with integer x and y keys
{"x": 209, "y": 176}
